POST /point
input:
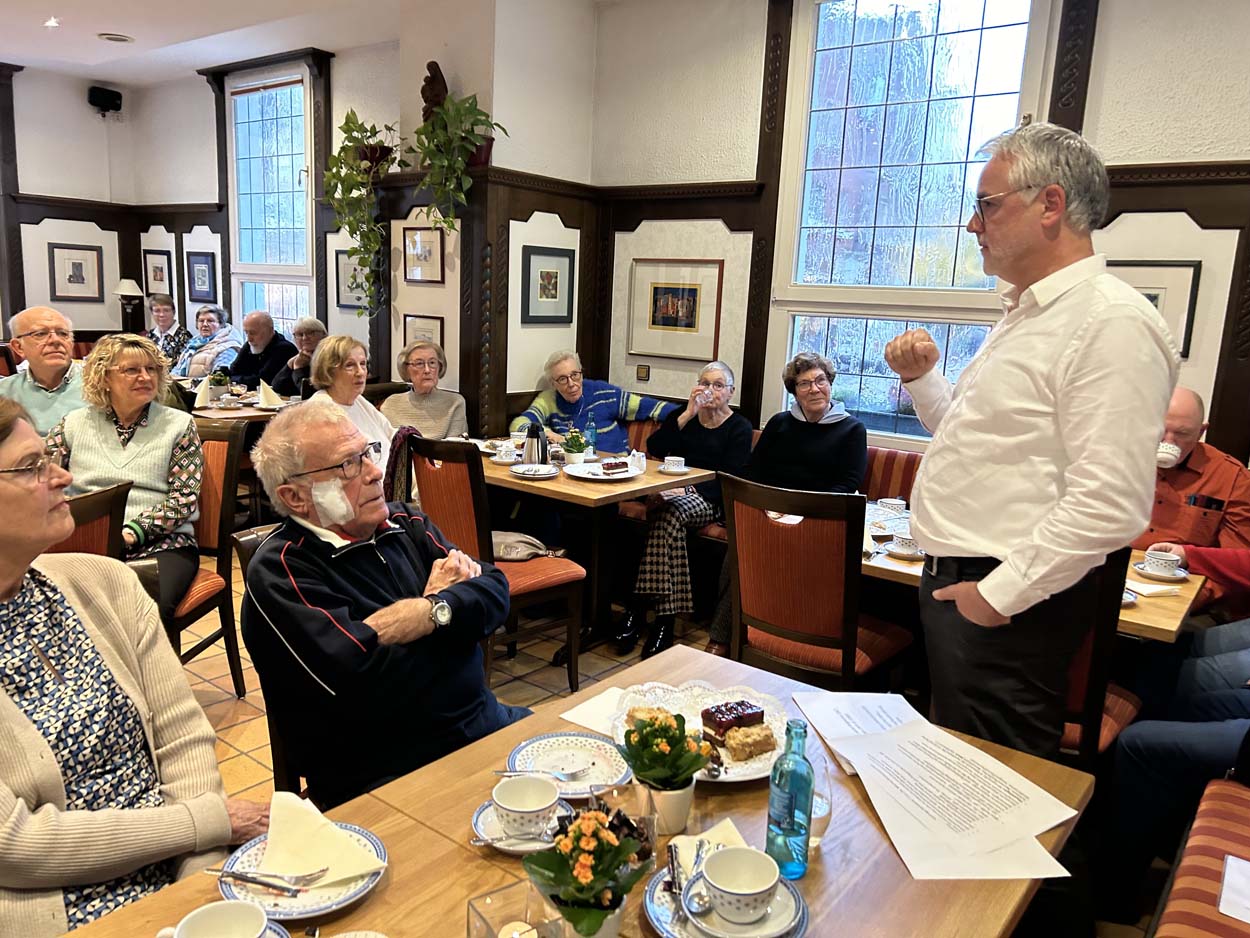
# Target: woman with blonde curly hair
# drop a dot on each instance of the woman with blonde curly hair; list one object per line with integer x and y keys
{"x": 340, "y": 368}
{"x": 124, "y": 434}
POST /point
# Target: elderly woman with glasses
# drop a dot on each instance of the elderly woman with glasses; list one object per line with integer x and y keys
{"x": 437, "y": 413}
{"x": 109, "y": 788}
{"x": 709, "y": 436}
{"x": 215, "y": 345}
{"x": 340, "y": 368}
{"x": 308, "y": 333}
{"x": 573, "y": 400}
{"x": 123, "y": 435}
{"x": 170, "y": 336}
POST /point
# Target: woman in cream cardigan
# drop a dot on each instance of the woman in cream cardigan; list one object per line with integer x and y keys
{"x": 109, "y": 787}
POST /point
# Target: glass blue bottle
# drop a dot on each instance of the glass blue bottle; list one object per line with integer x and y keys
{"x": 790, "y": 803}
{"x": 592, "y": 435}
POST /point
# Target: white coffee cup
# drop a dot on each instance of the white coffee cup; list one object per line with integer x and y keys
{"x": 1162, "y": 563}
{"x": 906, "y": 543}
{"x": 898, "y": 505}
{"x": 741, "y": 882}
{"x": 232, "y": 918}
{"x": 525, "y": 805}
{"x": 517, "y": 437}
{"x": 674, "y": 463}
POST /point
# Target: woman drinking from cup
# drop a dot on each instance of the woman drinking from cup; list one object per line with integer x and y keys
{"x": 707, "y": 435}
{"x": 340, "y": 369}
{"x": 216, "y": 345}
{"x": 436, "y": 412}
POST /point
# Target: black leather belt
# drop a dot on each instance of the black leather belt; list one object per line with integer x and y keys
{"x": 960, "y": 568}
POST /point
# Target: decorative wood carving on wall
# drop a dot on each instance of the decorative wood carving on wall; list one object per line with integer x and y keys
{"x": 484, "y": 336}
{"x": 1073, "y": 56}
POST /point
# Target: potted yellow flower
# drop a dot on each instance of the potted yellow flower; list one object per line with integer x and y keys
{"x": 665, "y": 759}
{"x": 589, "y": 873}
{"x": 575, "y": 446}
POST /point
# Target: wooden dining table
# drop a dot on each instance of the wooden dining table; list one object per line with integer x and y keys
{"x": 247, "y": 414}
{"x": 856, "y": 883}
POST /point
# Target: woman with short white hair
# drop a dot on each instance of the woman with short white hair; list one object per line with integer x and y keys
{"x": 436, "y": 412}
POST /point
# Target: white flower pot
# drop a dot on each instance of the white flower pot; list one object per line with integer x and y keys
{"x": 672, "y": 809}
{"x": 217, "y": 390}
{"x": 611, "y": 927}
{"x": 574, "y": 458}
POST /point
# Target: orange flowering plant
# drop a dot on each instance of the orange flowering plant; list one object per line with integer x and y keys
{"x": 661, "y": 754}
{"x": 590, "y": 870}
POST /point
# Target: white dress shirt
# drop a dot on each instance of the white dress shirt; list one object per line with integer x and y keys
{"x": 376, "y": 428}
{"x": 1043, "y": 453}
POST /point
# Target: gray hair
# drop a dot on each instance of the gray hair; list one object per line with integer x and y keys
{"x": 223, "y": 318}
{"x": 722, "y": 368}
{"x": 309, "y": 324}
{"x": 1043, "y": 154}
{"x": 279, "y": 453}
{"x": 556, "y": 357}
{"x": 15, "y": 321}
{"x": 401, "y": 360}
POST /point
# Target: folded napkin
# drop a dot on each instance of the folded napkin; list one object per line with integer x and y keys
{"x": 201, "y": 396}
{"x": 869, "y": 544}
{"x": 1152, "y": 589}
{"x": 723, "y": 833}
{"x": 268, "y": 397}
{"x": 301, "y": 840}
{"x": 597, "y": 712}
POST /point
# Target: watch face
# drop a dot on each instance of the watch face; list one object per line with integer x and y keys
{"x": 442, "y": 613}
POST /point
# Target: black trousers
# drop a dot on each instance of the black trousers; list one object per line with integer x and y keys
{"x": 176, "y": 568}
{"x": 1007, "y": 684}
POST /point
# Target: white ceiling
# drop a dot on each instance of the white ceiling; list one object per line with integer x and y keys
{"x": 174, "y": 39}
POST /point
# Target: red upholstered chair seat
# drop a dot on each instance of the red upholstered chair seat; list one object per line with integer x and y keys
{"x": 878, "y": 641}
{"x": 539, "y": 574}
{"x": 1119, "y": 710}
{"x": 205, "y": 585}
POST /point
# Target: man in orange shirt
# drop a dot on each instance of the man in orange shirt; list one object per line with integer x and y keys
{"x": 1202, "y": 496}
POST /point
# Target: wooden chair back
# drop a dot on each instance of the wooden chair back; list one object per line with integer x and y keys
{"x": 8, "y": 360}
{"x": 98, "y": 520}
{"x": 222, "y": 442}
{"x": 797, "y": 581}
{"x": 452, "y": 487}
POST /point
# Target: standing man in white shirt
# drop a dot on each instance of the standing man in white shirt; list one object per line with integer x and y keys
{"x": 1043, "y": 454}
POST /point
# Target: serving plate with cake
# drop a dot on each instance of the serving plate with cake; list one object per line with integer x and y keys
{"x": 746, "y": 728}
{"x": 607, "y": 469}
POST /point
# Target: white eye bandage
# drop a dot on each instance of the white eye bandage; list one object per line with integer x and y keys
{"x": 331, "y": 504}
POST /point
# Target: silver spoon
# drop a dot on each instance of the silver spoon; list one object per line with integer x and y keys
{"x": 700, "y": 903}
{"x": 545, "y": 837}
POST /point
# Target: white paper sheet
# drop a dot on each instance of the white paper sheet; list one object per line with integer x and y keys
{"x": 839, "y": 715}
{"x": 1235, "y": 889}
{"x": 597, "y": 712}
{"x": 1141, "y": 588}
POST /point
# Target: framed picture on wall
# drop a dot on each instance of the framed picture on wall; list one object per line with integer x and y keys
{"x": 344, "y": 267}
{"x": 1171, "y": 287}
{"x": 76, "y": 273}
{"x": 674, "y": 307}
{"x": 548, "y": 278}
{"x": 201, "y": 277}
{"x": 423, "y": 329}
{"x": 423, "y": 255}
{"x": 156, "y": 267}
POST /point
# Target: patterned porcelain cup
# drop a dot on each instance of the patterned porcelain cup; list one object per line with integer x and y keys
{"x": 1162, "y": 563}
{"x": 674, "y": 463}
{"x": 233, "y": 918}
{"x": 906, "y": 543}
{"x": 893, "y": 504}
{"x": 741, "y": 882}
{"x": 525, "y": 805}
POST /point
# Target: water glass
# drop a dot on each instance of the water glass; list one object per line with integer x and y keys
{"x": 822, "y": 791}
{"x": 516, "y": 911}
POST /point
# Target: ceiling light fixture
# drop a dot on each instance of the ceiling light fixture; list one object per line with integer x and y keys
{"x": 115, "y": 37}
{"x": 52, "y": 23}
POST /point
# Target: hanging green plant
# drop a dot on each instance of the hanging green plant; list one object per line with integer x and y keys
{"x": 362, "y": 159}
{"x": 444, "y": 146}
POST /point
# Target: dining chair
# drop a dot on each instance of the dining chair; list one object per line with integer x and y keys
{"x": 222, "y": 442}
{"x": 891, "y": 473}
{"x": 286, "y": 776}
{"x": 795, "y": 586}
{"x": 8, "y": 360}
{"x": 1098, "y": 710}
{"x": 98, "y": 520}
{"x": 452, "y": 487}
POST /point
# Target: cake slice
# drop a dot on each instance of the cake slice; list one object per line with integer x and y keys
{"x": 744, "y": 742}
{"x": 613, "y": 466}
{"x": 719, "y": 718}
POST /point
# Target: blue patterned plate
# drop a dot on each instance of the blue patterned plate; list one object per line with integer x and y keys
{"x": 317, "y": 900}
{"x": 274, "y": 930}
{"x": 567, "y": 752}
{"x": 661, "y": 905}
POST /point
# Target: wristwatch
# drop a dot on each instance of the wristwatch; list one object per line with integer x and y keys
{"x": 440, "y": 612}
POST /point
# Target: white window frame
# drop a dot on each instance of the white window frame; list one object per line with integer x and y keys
{"x": 790, "y": 299}
{"x": 269, "y": 273}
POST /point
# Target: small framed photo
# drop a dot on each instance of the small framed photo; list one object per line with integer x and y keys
{"x": 1172, "y": 289}
{"x": 674, "y": 307}
{"x": 76, "y": 273}
{"x": 642, "y": 372}
{"x": 156, "y": 267}
{"x": 423, "y": 329}
{"x": 423, "y": 255}
{"x": 345, "y": 267}
{"x": 548, "y": 278}
{"x": 201, "y": 277}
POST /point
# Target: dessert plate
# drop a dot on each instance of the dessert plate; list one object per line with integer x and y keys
{"x": 486, "y": 824}
{"x": 898, "y": 553}
{"x": 274, "y": 930}
{"x": 780, "y": 919}
{"x": 660, "y": 906}
{"x": 505, "y": 461}
{"x": 595, "y": 473}
{"x": 689, "y": 700}
{"x": 1179, "y": 576}
{"x": 564, "y": 752}
{"x": 317, "y": 900}
{"x": 534, "y": 471}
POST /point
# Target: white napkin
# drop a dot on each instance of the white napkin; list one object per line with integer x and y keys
{"x": 268, "y": 397}
{"x": 201, "y": 396}
{"x": 301, "y": 840}
{"x": 723, "y": 833}
{"x": 597, "y": 712}
{"x": 1152, "y": 589}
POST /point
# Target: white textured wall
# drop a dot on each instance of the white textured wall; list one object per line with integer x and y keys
{"x": 1170, "y": 81}
{"x": 704, "y": 238}
{"x": 365, "y": 79}
{"x": 677, "y": 90}
{"x": 529, "y": 344}
{"x": 544, "y": 86}
{"x": 460, "y": 36}
{"x": 174, "y": 131}
{"x": 426, "y": 299}
{"x": 84, "y": 316}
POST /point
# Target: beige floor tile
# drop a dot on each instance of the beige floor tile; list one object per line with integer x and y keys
{"x": 522, "y": 664}
{"x": 585, "y": 682}
{"x": 247, "y": 736}
{"x": 520, "y": 694}
{"x": 262, "y": 792}
{"x": 592, "y": 662}
{"x": 250, "y": 680}
{"x": 555, "y": 680}
{"x": 544, "y": 648}
{"x": 207, "y": 694}
{"x": 264, "y": 756}
{"x": 229, "y": 712}
{"x": 223, "y": 751}
{"x": 242, "y": 772}
{"x": 209, "y": 667}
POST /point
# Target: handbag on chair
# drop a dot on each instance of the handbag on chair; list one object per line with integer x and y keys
{"x": 514, "y": 546}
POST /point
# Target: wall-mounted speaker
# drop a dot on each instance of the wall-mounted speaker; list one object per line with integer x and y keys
{"x": 104, "y": 99}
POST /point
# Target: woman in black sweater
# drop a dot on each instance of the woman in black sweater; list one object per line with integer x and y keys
{"x": 815, "y": 446}
{"x": 709, "y": 436}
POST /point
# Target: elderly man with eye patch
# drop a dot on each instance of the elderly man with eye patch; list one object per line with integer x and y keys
{"x": 363, "y": 620}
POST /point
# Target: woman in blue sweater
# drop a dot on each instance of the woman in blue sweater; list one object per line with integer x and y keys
{"x": 572, "y": 400}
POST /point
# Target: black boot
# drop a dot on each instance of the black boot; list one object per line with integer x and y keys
{"x": 660, "y": 637}
{"x": 626, "y": 636}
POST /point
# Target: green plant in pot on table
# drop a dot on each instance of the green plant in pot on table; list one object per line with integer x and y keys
{"x": 575, "y": 446}
{"x": 666, "y": 759}
{"x": 218, "y": 383}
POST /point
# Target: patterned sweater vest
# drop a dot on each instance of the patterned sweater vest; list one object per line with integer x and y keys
{"x": 99, "y": 460}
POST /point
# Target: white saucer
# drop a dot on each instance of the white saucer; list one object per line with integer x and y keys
{"x": 674, "y": 472}
{"x": 534, "y": 470}
{"x": 782, "y": 915}
{"x": 892, "y": 548}
{"x": 1179, "y": 576}
{"x": 504, "y": 462}
{"x": 486, "y": 824}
